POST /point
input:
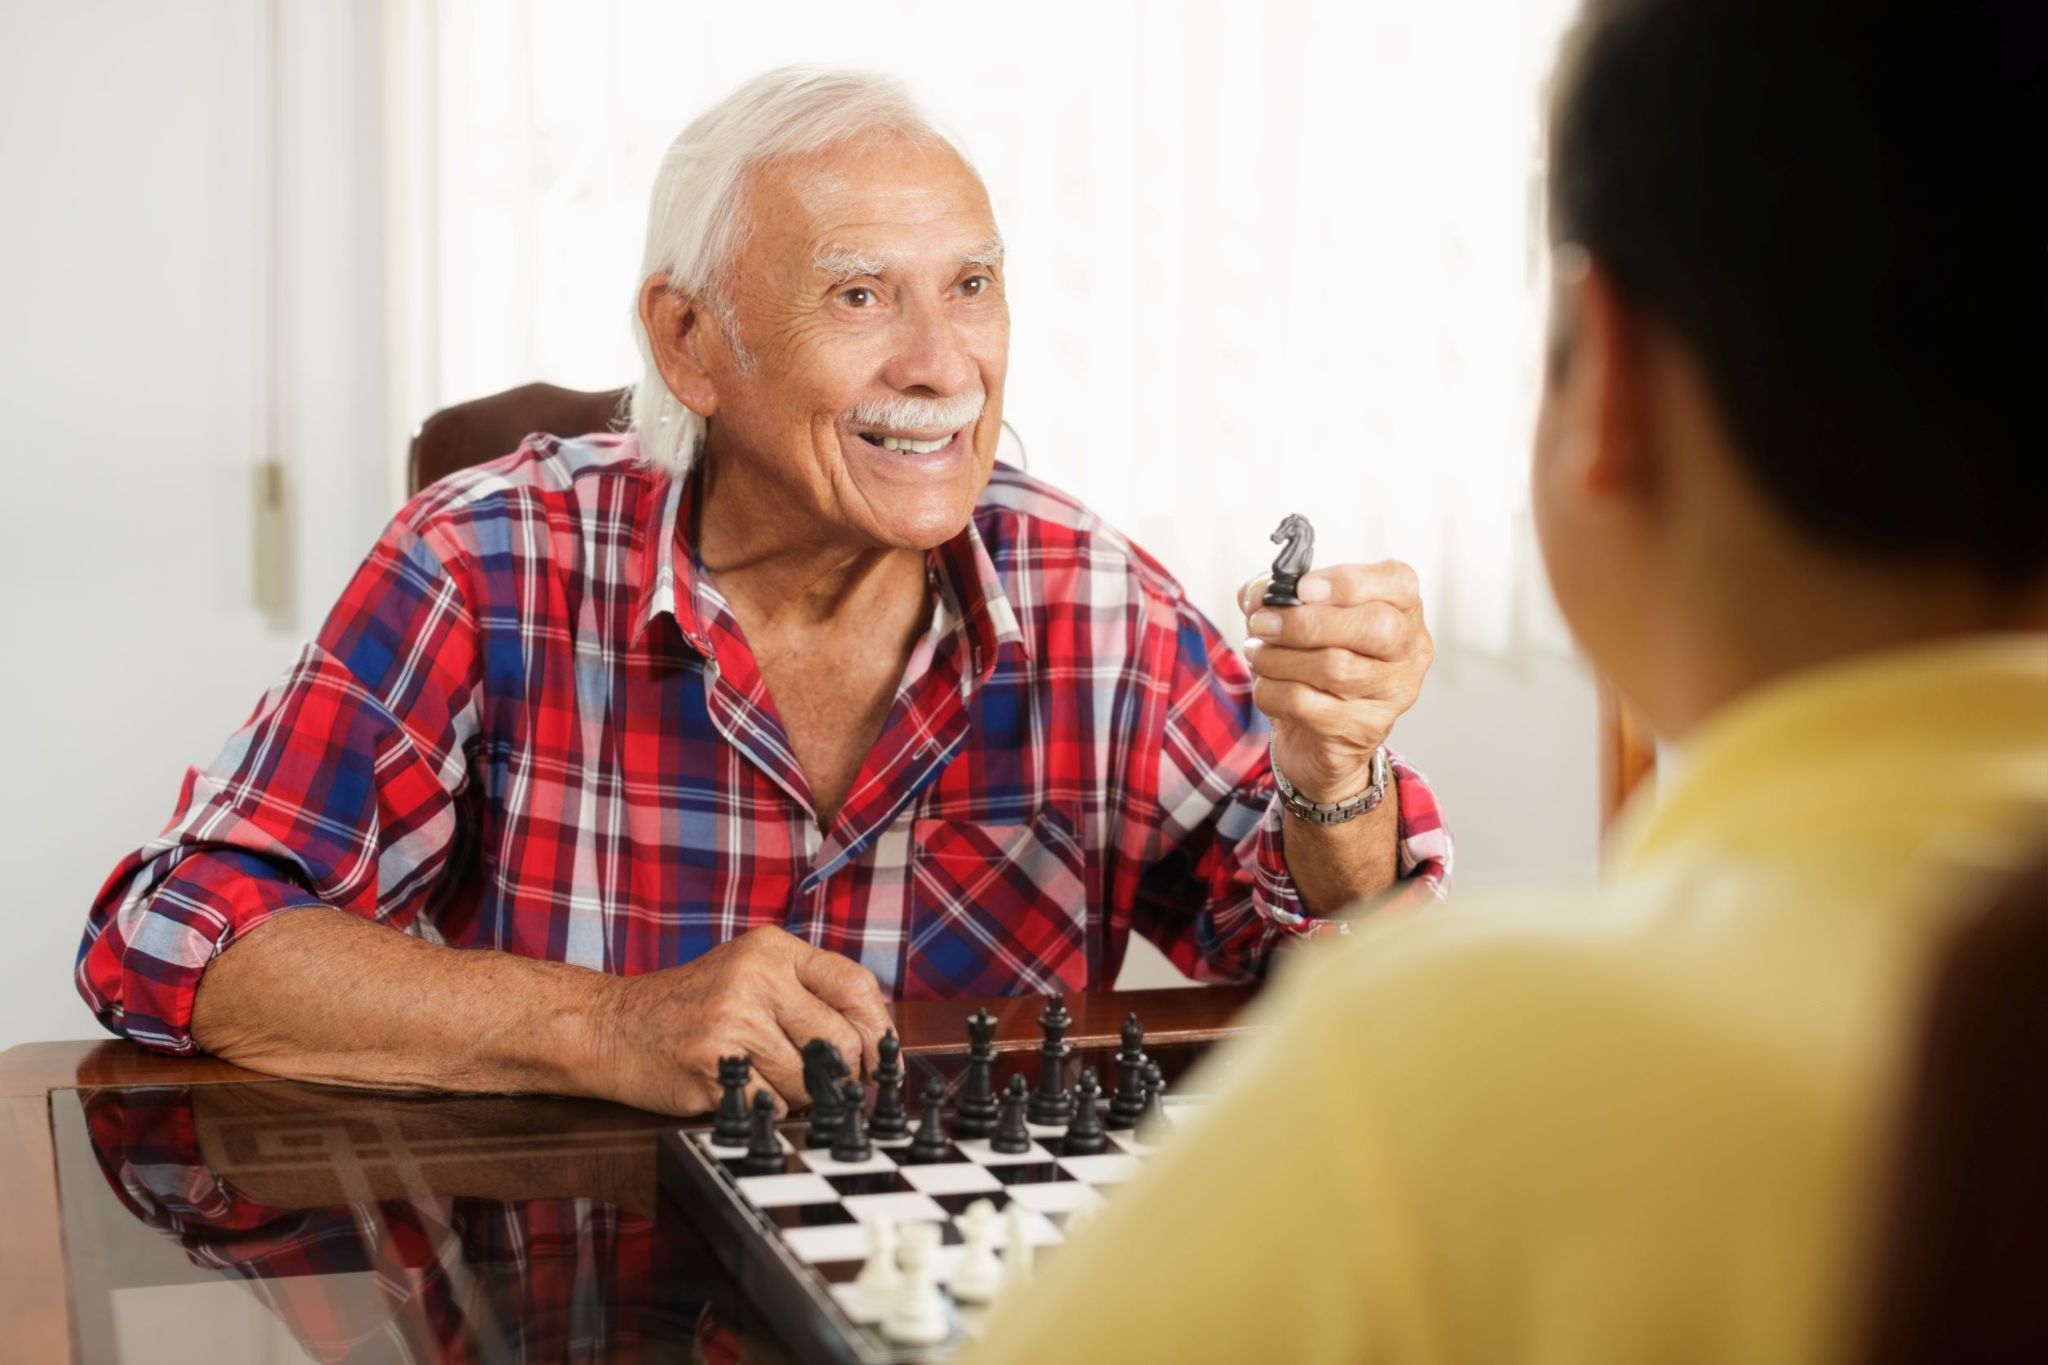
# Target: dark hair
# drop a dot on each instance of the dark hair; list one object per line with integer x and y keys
{"x": 1839, "y": 208}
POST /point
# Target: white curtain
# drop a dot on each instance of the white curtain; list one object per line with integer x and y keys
{"x": 1264, "y": 257}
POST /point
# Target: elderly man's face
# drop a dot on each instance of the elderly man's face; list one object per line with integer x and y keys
{"x": 874, "y": 335}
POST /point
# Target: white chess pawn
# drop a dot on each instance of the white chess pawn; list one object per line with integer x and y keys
{"x": 1017, "y": 1255}
{"x": 918, "y": 1315}
{"x": 979, "y": 1274}
{"x": 879, "y": 1279}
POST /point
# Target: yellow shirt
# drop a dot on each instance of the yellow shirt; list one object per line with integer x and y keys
{"x": 1638, "y": 1124}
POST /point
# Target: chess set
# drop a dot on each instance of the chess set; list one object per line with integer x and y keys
{"x": 866, "y": 1237}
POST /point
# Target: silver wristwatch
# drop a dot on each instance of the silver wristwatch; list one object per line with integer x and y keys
{"x": 1335, "y": 812}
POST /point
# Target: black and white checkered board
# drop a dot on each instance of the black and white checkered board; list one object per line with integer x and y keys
{"x": 795, "y": 1241}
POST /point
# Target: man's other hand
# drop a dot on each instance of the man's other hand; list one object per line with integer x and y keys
{"x": 764, "y": 994}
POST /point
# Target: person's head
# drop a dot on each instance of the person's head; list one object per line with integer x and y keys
{"x": 822, "y": 309}
{"x": 1797, "y": 342}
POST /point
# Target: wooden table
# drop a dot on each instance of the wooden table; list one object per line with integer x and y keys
{"x": 36, "y": 1265}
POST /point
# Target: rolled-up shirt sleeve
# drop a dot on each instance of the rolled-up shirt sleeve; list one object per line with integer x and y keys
{"x": 1220, "y": 840}
{"x": 340, "y": 791}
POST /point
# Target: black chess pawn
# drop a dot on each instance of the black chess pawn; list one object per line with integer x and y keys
{"x": 1130, "y": 1077}
{"x": 975, "y": 1115}
{"x": 729, "y": 1129}
{"x": 1050, "y": 1103}
{"x": 1011, "y": 1136}
{"x": 1151, "y": 1124}
{"x": 823, "y": 1071}
{"x": 1085, "y": 1135}
{"x": 889, "y": 1120}
{"x": 930, "y": 1143}
{"x": 764, "y": 1145}
{"x": 850, "y": 1141}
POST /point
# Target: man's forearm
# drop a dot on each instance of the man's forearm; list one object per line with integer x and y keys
{"x": 1335, "y": 865}
{"x": 322, "y": 995}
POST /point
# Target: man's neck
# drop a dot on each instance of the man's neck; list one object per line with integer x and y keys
{"x": 782, "y": 573}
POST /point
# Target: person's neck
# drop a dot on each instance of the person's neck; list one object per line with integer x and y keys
{"x": 782, "y": 573}
{"x": 1789, "y": 609}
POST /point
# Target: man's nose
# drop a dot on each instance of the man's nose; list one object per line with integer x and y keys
{"x": 932, "y": 354}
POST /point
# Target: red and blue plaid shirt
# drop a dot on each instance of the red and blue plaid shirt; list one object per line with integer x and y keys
{"x": 532, "y": 724}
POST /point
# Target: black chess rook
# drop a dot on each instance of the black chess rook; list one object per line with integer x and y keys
{"x": 729, "y": 1128}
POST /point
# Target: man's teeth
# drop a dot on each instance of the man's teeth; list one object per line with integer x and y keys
{"x": 904, "y": 443}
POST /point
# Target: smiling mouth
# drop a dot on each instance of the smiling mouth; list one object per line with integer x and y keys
{"x": 907, "y": 445}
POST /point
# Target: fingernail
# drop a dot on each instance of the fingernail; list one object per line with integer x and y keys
{"x": 1264, "y": 623}
{"x": 1312, "y": 589}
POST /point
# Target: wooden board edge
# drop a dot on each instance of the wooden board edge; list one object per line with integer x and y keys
{"x": 35, "y": 1298}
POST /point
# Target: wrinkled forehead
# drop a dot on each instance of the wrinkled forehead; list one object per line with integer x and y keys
{"x": 870, "y": 204}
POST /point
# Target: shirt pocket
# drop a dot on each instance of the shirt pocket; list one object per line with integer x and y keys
{"x": 997, "y": 909}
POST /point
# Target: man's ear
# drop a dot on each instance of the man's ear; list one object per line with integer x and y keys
{"x": 1605, "y": 437}
{"x": 678, "y": 328}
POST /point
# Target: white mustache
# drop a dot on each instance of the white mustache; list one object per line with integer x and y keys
{"x": 912, "y": 414}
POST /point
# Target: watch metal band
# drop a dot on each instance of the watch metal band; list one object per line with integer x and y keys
{"x": 1335, "y": 812}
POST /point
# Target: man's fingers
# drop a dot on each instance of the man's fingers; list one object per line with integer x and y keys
{"x": 778, "y": 1068}
{"x": 1252, "y": 593}
{"x": 1353, "y": 585}
{"x": 1339, "y": 672}
{"x": 802, "y": 1017}
{"x": 852, "y": 990}
{"x": 1308, "y": 706}
{"x": 1378, "y": 629}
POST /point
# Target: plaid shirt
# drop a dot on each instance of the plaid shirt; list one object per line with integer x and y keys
{"x": 531, "y": 724}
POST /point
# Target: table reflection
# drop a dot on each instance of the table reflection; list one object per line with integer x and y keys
{"x": 397, "y": 1227}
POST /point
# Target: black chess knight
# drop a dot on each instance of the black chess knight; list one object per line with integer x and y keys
{"x": 1294, "y": 559}
{"x": 823, "y": 1071}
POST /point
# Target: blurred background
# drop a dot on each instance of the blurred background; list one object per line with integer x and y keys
{"x": 1263, "y": 257}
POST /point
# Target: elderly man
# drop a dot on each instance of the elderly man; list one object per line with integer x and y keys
{"x": 710, "y": 738}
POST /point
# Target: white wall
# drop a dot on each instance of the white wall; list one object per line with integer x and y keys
{"x": 135, "y": 303}
{"x": 136, "y": 312}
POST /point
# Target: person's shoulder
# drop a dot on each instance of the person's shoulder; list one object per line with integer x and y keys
{"x": 578, "y": 478}
{"x": 1029, "y": 526}
{"x": 1496, "y": 978}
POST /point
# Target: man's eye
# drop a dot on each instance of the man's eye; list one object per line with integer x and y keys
{"x": 975, "y": 285}
{"x": 860, "y": 296}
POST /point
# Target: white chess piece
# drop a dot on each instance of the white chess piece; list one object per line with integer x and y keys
{"x": 879, "y": 1279}
{"x": 979, "y": 1274}
{"x": 1079, "y": 1217}
{"x": 918, "y": 1316}
{"x": 1017, "y": 1254}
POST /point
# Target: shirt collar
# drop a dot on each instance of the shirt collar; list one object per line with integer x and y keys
{"x": 1902, "y": 738}
{"x": 960, "y": 570}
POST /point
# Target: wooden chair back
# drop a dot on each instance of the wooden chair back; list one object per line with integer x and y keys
{"x": 485, "y": 428}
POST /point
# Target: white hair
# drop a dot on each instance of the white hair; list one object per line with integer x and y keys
{"x": 694, "y": 218}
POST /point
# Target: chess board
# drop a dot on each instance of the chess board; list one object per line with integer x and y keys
{"x": 794, "y": 1241}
